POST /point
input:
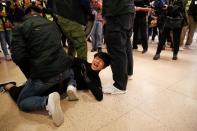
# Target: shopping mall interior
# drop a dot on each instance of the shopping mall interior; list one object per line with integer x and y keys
{"x": 162, "y": 96}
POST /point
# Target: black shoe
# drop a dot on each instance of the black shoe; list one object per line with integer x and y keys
{"x": 174, "y": 57}
{"x": 144, "y": 51}
{"x": 93, "y": 50}
{"x": 2, "y": 85}
{"x": 99, "y": 49}
{"x": 156, "y": 57}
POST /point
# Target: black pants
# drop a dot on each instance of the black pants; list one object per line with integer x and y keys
{"x": 152, "y": 31}
{"x": 175, "y": 39}
{"x": 140, "y": 35}
{"x": 117, "y": 35}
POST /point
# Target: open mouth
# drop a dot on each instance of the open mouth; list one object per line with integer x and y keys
{"x": 95, "y": 65}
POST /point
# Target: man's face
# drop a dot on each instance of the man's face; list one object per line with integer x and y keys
{"x": 97, "y": 64}
{"x": 39, "y": 4}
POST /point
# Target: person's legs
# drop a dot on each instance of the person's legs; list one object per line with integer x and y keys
{"x": 30, "y": 98}
{"x": 4, "y": 45}
{"x": 183, "y": 34}
{"x": 116, "y": 49}
{"x": 15, "y": 91}
{"x": 94, "y": 38}
{"x": 116, "y": 40}
{"x": 8, "y": 37}
{"x": 192, "y": 28}
{"x": 176, "y": 41}
{"x": 144, "y": 36}
{"x": 161, "y": 43}
{"x": 99, "y": 35}
{"x": 71, "y": 88}
{"x": 129, "y": 51}
{"x": 76, "y": 35}
{"x": 135, "y": 33}
{"x": 155, "y": 32}
{"x": 150, "y": 31}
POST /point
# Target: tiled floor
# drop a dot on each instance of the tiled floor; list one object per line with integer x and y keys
{"x": 161, "y": 97}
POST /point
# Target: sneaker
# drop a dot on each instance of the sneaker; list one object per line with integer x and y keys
{"x": 113, "y": 90}
{"x": 72, "y": 93}
{"x": 181, "y": 48}
{"x": 55, "y": 109}
{"x": 189, "y": 47}
{"x": 6, "y": 86}
{"x": 3, "y": 87}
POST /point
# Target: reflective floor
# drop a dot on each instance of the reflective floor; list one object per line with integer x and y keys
{"x": 162, "y": 96}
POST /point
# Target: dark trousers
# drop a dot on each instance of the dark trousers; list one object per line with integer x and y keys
{"x": 140, "y": 35}
{"x": 24, "y": 67}
{"x": 175, "y": 40}
{"x": 152, "y": 31}
{"x": 15, "y": 91}
{"x": 117, "y": 35}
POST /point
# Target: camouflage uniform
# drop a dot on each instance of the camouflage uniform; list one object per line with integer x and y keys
{"x": 76, "y": 35}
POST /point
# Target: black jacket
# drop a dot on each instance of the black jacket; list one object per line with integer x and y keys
{"x": 86, "y": 78}
{"x": 75, "y": 10}
{"x": 117, "y": 7}
{"x": 176, "y": 8}
{"x": 37, "y": 43}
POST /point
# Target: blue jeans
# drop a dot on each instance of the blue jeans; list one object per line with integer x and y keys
{"x": 97, "y": 35}
{"x": 31, "y": 97}
{"x": 4, "y": 41}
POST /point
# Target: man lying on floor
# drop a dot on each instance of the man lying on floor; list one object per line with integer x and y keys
{"x": 86, "y": 76}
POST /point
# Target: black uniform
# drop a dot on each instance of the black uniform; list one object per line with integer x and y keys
{"x": 119, "y": 15}
{"x": 140, "y": 26}
{"x": 175, "y": 9}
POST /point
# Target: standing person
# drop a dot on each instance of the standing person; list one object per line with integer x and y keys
{"x": 5, "y": 32}
{"x": 185, "y": 26}
{"x": 37, "y": 46}
{"x": 97, "y": 32}
{"x": 18, "y": 14}
{"x": 72, "y": 16}
{"x": 140, "y": 35}
{"x": 175, "y": 9}
{"x": 192, "y": 20}
{"x": 119, "y": 16}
